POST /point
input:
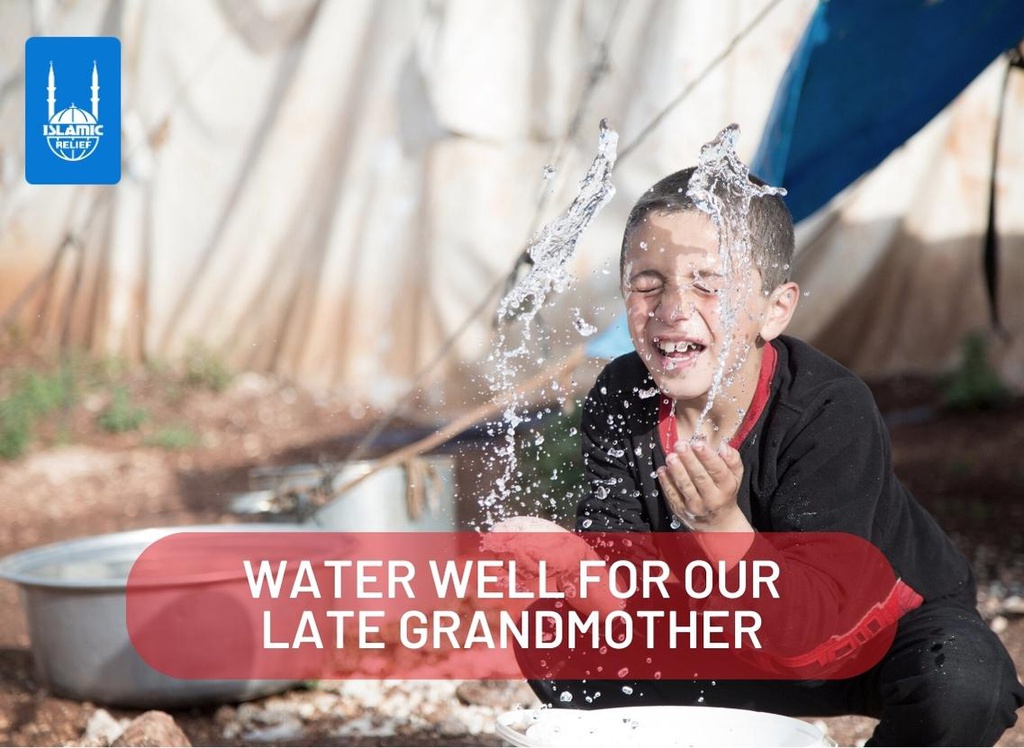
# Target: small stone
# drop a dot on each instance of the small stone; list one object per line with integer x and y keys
{"x": 287, "y": 729}
{"x": 225, "y": 715}
{"x": 102, "y": 729}
{"x": 450, "y": 727}
{"x": 151, "y": 730}
{"x": 1014, "y": 605}
{"x": 247, "y": 713}
{"x": 497, "y": 694}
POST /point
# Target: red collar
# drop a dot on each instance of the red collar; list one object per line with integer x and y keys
{"x": 668, "y": 431}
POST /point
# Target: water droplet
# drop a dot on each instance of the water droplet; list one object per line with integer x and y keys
{"x": 623, "y": 672}
{"x": 565, "y": 697}
{"x": 583, "y": 327}
{"x": 628, "y": 690}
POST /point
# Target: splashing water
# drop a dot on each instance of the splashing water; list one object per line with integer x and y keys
{"x": 551, "y": 253}
{"x": 721, "y": 187}
{"x": 583, "y": 327}
{"x": 556, "y": 244}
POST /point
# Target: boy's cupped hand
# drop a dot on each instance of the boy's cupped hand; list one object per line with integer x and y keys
{"x": 701, "y": 486}
{"x": 532, "y": 540}
{"x": 518, "y": 537}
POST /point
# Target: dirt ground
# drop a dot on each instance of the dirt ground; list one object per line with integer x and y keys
{"x": 966, "y": 468}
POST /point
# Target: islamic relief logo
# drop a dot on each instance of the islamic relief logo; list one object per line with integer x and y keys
{"x": 73, "y": 133}
{"x": 78, "y": 144}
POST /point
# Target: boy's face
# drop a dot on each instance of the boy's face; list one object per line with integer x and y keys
{"x": 673, "y": 284}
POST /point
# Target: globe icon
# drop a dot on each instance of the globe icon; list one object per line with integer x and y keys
{"x": 77, "y": 147}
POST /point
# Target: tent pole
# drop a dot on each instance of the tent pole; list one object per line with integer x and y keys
{"x": 481, "y": 413}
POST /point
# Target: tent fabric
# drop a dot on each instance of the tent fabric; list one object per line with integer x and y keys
{"x": 867, "y": 75}
{"x": 329, "y": 190}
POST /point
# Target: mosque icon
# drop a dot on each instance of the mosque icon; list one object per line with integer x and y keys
{"x": 72, "y": 133}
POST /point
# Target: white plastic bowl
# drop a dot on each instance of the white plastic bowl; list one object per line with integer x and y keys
{"x": 656, "y": 725}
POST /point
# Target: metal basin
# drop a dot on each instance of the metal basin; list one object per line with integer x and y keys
{"x": 74, "y": 598}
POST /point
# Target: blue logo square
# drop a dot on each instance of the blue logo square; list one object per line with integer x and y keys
{"x": 73, "y": 110}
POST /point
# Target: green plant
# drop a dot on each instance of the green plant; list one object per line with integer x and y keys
{"x": 975, "y": 385}
{"x": 44, "y": 393}
{"x": 15, "y": 428}
{"x": 173, "y": 437}
{"x": 121, "y": 414}
{"x": 32, "y": 396}
{"x": 203, "y": 368}
{"x": 550, "y": 467}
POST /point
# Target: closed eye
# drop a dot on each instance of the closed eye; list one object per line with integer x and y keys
{"x": 646, "y": 283}
{"x": 705, "y": 288}
{"x": 707, "y": 284}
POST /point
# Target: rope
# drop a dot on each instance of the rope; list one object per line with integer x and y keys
{"x": 990, "y": 254}
{"x": 710, "y": 68}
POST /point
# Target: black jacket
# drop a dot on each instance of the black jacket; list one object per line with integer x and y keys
{"x": 817, "y": 459}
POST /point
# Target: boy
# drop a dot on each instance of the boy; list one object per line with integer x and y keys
{"x": 790, "y": 442}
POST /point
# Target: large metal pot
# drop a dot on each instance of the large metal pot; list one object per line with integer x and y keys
{"x": 74, "y": 597}
{"x": 417, "y": 495}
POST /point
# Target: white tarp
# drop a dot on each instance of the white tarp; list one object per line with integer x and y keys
{"x": 328, "y": 190}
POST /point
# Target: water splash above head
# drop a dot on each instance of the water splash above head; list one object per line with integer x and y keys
{"x": 550, "y": 254}
{"x": 721, "y": 187}
{"x": 555, "y": 246}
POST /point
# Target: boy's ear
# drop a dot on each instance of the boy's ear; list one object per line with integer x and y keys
{"x": 782, "y": 303}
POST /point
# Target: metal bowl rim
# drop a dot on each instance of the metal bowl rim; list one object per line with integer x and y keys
{"x": 17, "y": 567}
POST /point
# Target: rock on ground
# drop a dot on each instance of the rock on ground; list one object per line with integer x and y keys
{"x": 151, "y": 729}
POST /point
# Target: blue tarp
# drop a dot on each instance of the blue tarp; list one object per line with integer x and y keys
{"x": 866, "y": 76}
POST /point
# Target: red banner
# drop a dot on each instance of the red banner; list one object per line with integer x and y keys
{"x": 318, "y": 605}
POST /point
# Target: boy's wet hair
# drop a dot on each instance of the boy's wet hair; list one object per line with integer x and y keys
{"x": 769, "y": 221}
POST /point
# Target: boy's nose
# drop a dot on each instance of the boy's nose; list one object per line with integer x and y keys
{"x": 676, "y": 305}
